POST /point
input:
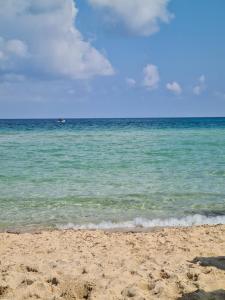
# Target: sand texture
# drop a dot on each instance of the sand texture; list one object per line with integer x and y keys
{"x": 169, "y": 263}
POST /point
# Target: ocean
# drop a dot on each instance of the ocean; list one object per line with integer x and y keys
{"x": 109, "y": 173}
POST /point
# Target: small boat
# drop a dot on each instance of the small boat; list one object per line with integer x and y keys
{"x": 60, "y": 120}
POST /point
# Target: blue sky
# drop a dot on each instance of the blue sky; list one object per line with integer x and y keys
{"x": 112, "y": 58}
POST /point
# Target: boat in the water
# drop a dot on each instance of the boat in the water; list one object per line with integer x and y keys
{"x": 60, "y": 120}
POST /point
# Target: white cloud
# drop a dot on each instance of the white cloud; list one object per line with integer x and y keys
{"x": 151, "y": 77}
{"x": 45, "y": 30}
{"x": 12, "y": 47}
{"x": 139, "y": 16}
{"x": 11, "y": 51}
{"x": 174, "y": 87}
{"x": 130, "y": 82}
{"x": 201, "y": 86}
{"x": 202, "y": 79}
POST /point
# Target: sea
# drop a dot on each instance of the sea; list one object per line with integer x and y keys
{"x": 111, "y": 173}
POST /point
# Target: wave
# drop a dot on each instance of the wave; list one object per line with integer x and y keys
{"x": 192, "y": 220}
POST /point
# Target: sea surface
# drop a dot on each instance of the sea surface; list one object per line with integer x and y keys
{"x": 107, "y": 173}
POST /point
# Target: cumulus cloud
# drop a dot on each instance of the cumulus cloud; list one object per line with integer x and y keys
{"x": 45, "y": 39}
{"x": 201, "y": 86}
{"x": 12, "y": 47}
{"x": 151, "y": 77}
{"x": 174, "y": 87}
{"x": 11, "y": 51}
{"x": 139, "y": 16}
{"x": 130, "y": 82}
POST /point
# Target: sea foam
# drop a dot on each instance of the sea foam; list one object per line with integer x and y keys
{"x": 186, "y": 221}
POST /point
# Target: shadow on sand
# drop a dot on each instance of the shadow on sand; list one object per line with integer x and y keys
{"x": 218, "y": 262}
{"x": 202, "y": 295}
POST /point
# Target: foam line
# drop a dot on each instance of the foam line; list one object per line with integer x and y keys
{"x": 145, "y": 223}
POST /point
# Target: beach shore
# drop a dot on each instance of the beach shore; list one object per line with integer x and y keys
{"x": 165, "y": 263}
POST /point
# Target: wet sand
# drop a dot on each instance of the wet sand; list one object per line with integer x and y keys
{"x": 166, "y": 263}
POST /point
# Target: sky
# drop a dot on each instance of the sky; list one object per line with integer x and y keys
{"x": 112, "y": 58}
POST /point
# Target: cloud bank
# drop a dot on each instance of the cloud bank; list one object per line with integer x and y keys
{"x": 40, "y": 37}
{"x": 142, "y": 17}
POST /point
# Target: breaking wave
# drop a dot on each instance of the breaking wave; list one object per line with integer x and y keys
{"x": 187, "y": 221}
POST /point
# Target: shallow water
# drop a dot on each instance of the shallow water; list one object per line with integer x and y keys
{"x": 112, "y": 172}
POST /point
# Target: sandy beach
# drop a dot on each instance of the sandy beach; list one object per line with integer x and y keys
{"x": 166, "y": 263}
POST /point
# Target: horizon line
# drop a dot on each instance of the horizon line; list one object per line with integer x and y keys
{"x": 102, "y": 118}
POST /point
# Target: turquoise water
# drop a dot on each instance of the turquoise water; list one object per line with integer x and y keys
{"x": 111, "y": 172}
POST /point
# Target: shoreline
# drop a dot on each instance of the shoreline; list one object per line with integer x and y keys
{"x": 163, "y": 263}
{"x": 131, "y": 230}
{"x": 109, "y": 230}
{"x": 134, "y": 225}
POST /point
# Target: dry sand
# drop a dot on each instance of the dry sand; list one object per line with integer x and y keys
{"x": 169, "y": 263}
